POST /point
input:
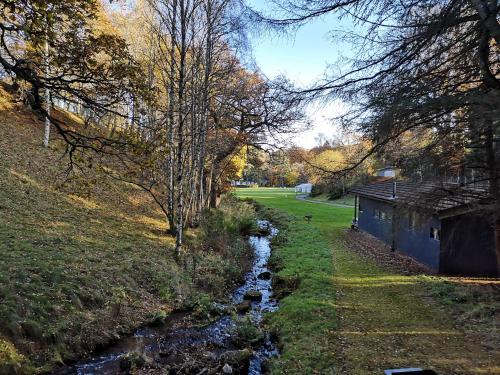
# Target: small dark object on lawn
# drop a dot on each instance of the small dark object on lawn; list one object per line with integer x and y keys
{"x": 308, "y": 218}
{"x": 409, "y": 371}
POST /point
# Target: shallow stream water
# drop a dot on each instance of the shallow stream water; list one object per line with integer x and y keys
{"x": 152, "y": 343}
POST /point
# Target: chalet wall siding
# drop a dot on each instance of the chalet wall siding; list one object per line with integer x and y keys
{"x": 468, "y": 246}
{"x": 416, "y": 243}
{"x": 382, "y": 229}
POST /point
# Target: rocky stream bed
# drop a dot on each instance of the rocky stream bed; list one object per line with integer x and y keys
{"x": 181, "y": 348}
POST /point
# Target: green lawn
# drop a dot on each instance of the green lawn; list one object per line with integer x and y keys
{"x": 347, "y": 200}
{"x": 325, "y": 218}
{"x": 352, "y": 316}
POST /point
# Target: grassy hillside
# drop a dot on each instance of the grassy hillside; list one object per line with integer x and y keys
{"x": 84, "y": 259}
{"x": 351, "y": 315}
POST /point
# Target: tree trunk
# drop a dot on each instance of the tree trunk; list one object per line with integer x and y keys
{"x": 170, "y": 125}
{"x": 487, "y": 11}
{"x": 46, "y": 136}
{"x": 213, "y": 192}
{"x": 494, "y": 181}
{"x": 180, "y": 131}
{"x": 489, "y": 114}
{"x": 214, "y": 183}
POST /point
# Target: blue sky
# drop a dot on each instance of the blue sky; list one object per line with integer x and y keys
{"x": 303, "y": 57}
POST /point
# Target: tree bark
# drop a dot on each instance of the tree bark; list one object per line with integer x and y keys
{"x": 494, "y": 181}
{"x": 180, "y": 130}
{"x": 170, "y": 123}
{"x": 46, "y": 136}
{"x": 488, "y": 10}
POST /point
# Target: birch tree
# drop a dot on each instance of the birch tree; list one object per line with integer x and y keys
{"x": 207, "y": 106}
{"x": 47, "y": 91}
{"x": 86, "y": 67}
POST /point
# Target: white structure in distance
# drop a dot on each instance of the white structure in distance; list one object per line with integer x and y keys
{"x": 387, "y": 172}
{"x": 243, "y": 183}
{"x": 304, "y": 188}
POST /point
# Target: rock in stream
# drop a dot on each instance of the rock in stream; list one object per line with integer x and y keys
{"x": 180, "y": 348}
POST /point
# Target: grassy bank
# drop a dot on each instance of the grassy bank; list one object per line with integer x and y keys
{"x": 347, "y": 200}
{"x": 306, "y": 317}
{"x": 352, "y": 316}
{"x": 86, "y": 260}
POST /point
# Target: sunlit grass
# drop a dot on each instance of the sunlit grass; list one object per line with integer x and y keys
{"x": 84, "y": 203}
{"x": 10, "y": 358}
{"x": 83, "y": 259}
{"x": 350, "y": 316}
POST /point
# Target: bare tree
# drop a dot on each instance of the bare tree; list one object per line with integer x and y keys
{"x": 420, "y": 65}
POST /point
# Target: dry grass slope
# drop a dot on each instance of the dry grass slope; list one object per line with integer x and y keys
{"x": 68, "y": 250}
{"x": 83, "y": 260}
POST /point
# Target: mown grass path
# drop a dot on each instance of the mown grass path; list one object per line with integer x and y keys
{"x": 351, "y": 316}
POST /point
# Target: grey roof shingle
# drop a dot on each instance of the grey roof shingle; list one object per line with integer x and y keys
{"x": 433, "y": 197}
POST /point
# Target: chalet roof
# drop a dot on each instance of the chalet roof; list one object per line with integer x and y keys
{"x": 428, "y": 196}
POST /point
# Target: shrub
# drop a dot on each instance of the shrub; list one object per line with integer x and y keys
{"x": 316, "y": 190}
{"x": 335, "y": 192}
{"x": 204, "y": 307}
{"x": 216, "y": 254}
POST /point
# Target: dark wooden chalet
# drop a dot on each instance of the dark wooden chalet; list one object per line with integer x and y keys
{"x": 445, "y": 227}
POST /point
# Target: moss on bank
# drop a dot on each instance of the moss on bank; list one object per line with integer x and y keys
{"x": 86, "y": 260}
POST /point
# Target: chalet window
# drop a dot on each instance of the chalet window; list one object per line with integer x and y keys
{"x": 381, "y": 215}
{"x": 435, "y": 234}
{"x": 360, "y": 209}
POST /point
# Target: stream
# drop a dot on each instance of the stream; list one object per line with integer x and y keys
{"x": 182, "y": 349}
